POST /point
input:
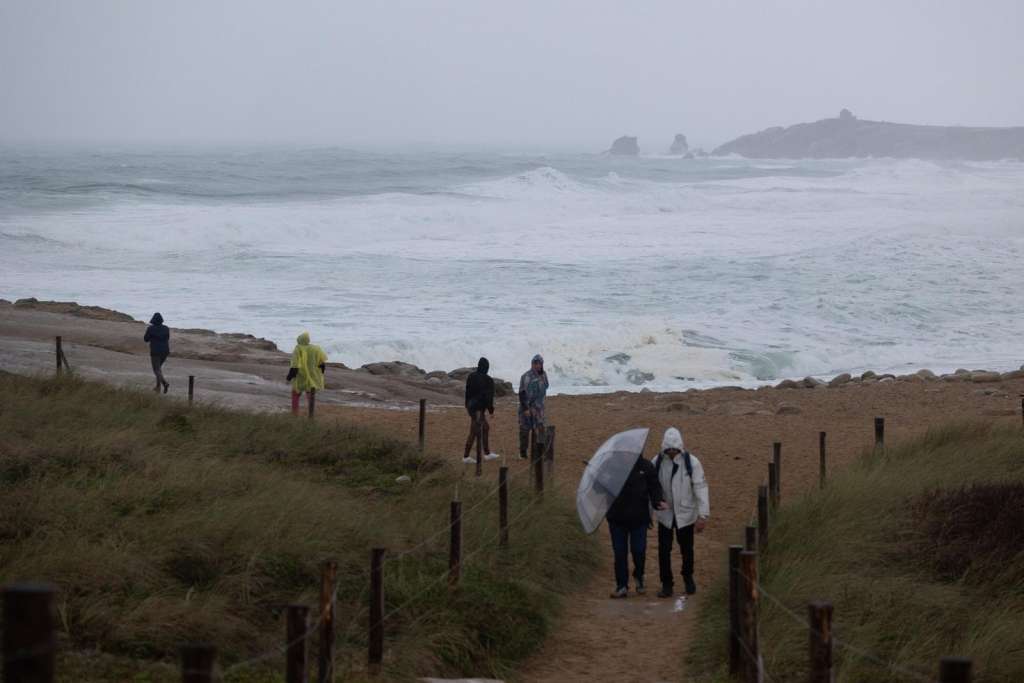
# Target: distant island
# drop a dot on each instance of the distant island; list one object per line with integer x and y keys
{"x": 848, "y": 136}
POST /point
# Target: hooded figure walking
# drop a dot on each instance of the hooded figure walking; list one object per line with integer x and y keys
{"x": 479, "y": 402}
{"x": 533, "y": 387}
{"x": 306, "y": 373}
{"x": 158, "y": 336}
{"x": 686, "y": 491}
{"x": 628, "y": 518}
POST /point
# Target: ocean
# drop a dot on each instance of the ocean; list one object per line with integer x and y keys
{"x": 625, "y": 273}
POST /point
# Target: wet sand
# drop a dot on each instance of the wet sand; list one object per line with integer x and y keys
{"x": 730, "y": 430}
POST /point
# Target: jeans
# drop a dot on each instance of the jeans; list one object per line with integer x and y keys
{"x": 157, "y": 361}
{"x": 685, "y": 538}
{"x": 632, "y": 539}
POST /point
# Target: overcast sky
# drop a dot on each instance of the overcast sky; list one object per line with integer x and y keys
{"x": 522, "y": 73}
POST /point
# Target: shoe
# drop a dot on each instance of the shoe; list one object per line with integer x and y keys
{"x": 620, "y": 593}
{"x": 491, "y": 456}
{"x": 665, "y": 592}
{"x": 640, "y": 588}
{"x": 691, "y": 587}
{"x": 469, "y": 460}
{"x": 167, "y": 385}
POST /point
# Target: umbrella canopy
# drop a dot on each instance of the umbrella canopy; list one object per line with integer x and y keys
{"x": 606, "y": 474}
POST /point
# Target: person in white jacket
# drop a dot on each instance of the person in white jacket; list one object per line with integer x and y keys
{"x": 686, "y": 492}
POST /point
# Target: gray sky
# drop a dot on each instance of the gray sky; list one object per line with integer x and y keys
{"x": 524, "y": 73}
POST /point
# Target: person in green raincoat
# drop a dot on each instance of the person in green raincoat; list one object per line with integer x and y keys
{"x": 306, "y": 373}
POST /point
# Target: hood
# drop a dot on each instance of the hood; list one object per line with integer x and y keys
{"x": 483, "y": 365}
{"x": 303, "y": 339}
{"x": 673, "y": 439}
{"x": 538, "y": 359}
{"x": 157, "y": 319}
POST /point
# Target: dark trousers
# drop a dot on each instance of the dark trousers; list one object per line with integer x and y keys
{"x": 524, "y": 439}
{"x": 478, "y": 429}
{"x": 627, "y": 539}
{"x": 157, "y": 362}
{"x": 685, "y": 538}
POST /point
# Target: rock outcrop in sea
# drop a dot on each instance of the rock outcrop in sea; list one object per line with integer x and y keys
{"x": 847, "y": 136}
{"x": 679, "y": 145}
{"x": 625, "y": 146}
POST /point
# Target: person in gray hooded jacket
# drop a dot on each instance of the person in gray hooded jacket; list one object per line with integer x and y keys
{"x": 686, "y": 491}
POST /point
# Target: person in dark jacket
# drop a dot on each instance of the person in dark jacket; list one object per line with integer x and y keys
{"x": 479, "y": 402}
{"x": 628, "y": 520}
{"x": 159, "y": 338}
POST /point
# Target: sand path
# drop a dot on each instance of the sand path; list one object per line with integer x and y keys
{"x": 643, "y": 638}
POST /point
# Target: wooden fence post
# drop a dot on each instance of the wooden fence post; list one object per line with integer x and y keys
{"x": 328, "y": 601}
{"x": 549, "y": 453}
{"x": 955, "y": 670}
{"x": 297, "y": 644}
{"x": 312, "y": 402}
{"x": 735, "y": 653}
{"x": 750, "y": 541}
{"x": 819, "y": 617}
{"x": 503, "y": 506}
{"x": 748, "y": 617}
{"x": 777, "y": 459}
{"x": 537, "y": 460}
{"x": 455, "y": 545}
{"x": 879, "y": 432}
{"x": 191, "y": 388}
{"x": 60, "y": 354}
{"x": 29, "y": 649}
{"x": 376, "y": 654}
{"x": 423, "y": 423}
{"x": 762, "y": 517}
{"x": 197, "y": 662}
{"x": 773, "y": 485}
{"x": 821, "y": 460}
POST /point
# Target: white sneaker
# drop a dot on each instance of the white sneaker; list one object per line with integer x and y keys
{"x": 491, "y": 456}
{"x": 469, "y": 461}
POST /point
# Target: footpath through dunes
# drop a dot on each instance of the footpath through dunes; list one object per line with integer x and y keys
{"x": 646, "y": 639}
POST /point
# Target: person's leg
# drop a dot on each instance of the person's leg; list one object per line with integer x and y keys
{"x": 638, "y": 548}
{"x": 156, "y": 362}
{"x": 471, "y": 439}
{"x": 665, "y": 557}
{"x": 485, "y": 432}
{"x": 524, "y": 440}
{"x": 295, "y": 402}
{"x": 686, "y": 549}
{"x": 619, "y": 548}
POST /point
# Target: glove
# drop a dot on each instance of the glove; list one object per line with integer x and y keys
{"x": 291, "y": 374}
{"x": 323, "y": 368}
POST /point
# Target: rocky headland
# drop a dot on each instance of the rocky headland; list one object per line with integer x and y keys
{"x": 847, "y": 136}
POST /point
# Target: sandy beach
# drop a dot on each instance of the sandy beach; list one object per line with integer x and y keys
{"x": 731, "y": 430}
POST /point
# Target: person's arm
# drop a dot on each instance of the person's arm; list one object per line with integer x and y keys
{"x": 490, "y": 396}
{"x": 657, "y": 496}
{"x": 700, "y": 490}
{"x": 149, "y": 334}
{"x": 323, "y": 362}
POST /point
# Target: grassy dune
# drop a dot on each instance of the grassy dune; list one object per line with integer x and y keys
{"x": 162, "y": 525}
{"x": 921, "y": 551}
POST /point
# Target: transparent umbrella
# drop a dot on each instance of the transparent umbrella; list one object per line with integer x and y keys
{"x": 606, "y": 474}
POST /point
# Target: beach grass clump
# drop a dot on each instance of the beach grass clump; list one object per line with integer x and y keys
{"x": 162, "y": 525}
{"x": 919, "y": 549}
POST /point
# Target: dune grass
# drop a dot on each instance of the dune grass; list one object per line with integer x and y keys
{"x": 921, "y": 552}
{"x": 162, "y": 525}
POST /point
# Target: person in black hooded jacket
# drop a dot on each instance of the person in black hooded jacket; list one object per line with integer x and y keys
{"x": 479, "y": 402}
{"x": 159, "y": 337}
{"x": 628, "y": 520}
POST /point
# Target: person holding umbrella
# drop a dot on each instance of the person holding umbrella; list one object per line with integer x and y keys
{"x": 620, "y": 484}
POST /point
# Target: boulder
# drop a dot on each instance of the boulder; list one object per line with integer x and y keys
{"x": 639, "y": 377}
{"x": 1014, "y": 374}
{"x": 625, "y": 146}
{"x": 888, "y": 379}
{"x": 983, "y": 376}
{"x": 403, "y": 479}
{"x": 811, "y": 382}
{"x": 955, "y": 377}
{"x": 394, "y": 368}
{"x": 961, "y": 371}
{"x": 787, "y": 409}
{"x": 887, "y": 375}
{"x": 788, "y": 384}
{"x": 461, "y": 373}
{"x": 926, "y": 375}
{"x": 502, "y": 388}
{"x": 840, "y": 380}
{"x": 868, "y": 374}
{"x": 679, "y": 145}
